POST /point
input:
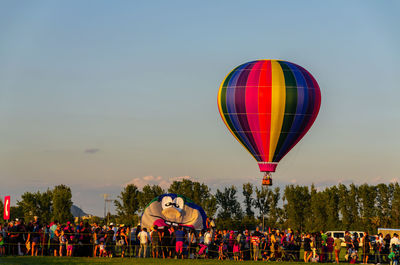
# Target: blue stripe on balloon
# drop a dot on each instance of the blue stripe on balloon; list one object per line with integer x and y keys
{"x": 240, "y": 97}
{"x": 230, "y": 105}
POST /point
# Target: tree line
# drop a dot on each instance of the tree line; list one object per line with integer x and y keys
{"x": 304, "y": 208}
{"x": 50, "y": 205}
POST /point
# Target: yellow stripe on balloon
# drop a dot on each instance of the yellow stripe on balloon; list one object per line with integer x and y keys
{"x": 278, "y": 105}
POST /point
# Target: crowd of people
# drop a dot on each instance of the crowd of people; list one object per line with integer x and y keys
{"x": 91, "y": 240}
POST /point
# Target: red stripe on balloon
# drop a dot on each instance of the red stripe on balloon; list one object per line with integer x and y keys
{"x": 264, "y": 106}
{"x": 252, "y": 106}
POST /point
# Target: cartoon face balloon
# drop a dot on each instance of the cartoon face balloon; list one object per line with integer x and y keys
{"x": 268, "y": 106}
{"x": 173, "y": 210}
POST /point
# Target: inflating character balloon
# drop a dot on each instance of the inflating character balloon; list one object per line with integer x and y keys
{"x": 173, "y": 210}
{"x": 268, "y": 106}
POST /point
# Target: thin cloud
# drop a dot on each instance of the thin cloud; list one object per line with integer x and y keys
{"x": 163, "y": 182}
{"x": 92, "y": 150}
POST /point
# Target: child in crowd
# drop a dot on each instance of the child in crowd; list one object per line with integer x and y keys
{"x": 70, "y": 245}
{"x": 102, "y": 249}
{"x": 353, "y": 255}
{"x": 2, "y": 250}
{"x": 315, "y": 258}
{"x": 63, "y": 242}
{"x": 222, "y": 251}
{"x": 394, "y": 255}
{"x": 236, "y": 250}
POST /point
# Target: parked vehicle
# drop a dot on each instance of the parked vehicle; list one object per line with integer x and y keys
{"x": 340, "y": 234}
{"x": 390, "y": 231}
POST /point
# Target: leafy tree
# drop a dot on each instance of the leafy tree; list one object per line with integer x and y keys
{"x": 128, "y": 204}
{"x": 298, "y": 206}
{"x": 45, "y": 203}
{"x": 62, "y": 203}
{"x": 261, "y": 201}
{"x": 395, "y": 209}
{"x": 331, "y": 198}
{"x": 196, "y": 191}
{"x": 248, "y": 198}
{"x": 275, "y": 213}
{"x": 228, "y": 205}
{"x": 16, "y": 212}
{"x": 266, "y": 201}
{"x": 367, "y": 195}
{"x": 1, "y": 209}
{"x": 348, "y": 206}
{"x": 148, "y": 193}
{"x": 210, "y": 206}
{"x": 384, "y": 193}
{"x": 318, "y": 216}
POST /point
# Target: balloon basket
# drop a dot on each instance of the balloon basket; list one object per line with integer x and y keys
{"x": 267, "y": 180}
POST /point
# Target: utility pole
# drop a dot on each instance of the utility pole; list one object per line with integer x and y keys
{"x": 105, "y": 195}
{"x": 107, "y": 200}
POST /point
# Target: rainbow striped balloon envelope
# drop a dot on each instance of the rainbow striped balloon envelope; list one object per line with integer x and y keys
{"x": 268, "y": 106}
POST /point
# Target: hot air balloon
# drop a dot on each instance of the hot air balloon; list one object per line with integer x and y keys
{"x": 268, "y": 106}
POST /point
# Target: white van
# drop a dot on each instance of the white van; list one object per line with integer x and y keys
{"x": 340, "y": 234}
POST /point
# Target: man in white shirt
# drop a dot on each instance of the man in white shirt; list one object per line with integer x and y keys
{"x": 394, "y": 240}
{"x": 144, "y": 239}
{"x": 207, "y": 238}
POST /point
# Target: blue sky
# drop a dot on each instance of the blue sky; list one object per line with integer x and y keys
{"x": 97, "y": 94}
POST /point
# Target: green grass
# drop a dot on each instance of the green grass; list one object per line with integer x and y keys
{"x": 76, "y": 260}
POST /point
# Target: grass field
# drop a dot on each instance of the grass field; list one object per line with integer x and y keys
{"x": 76, "y": 261}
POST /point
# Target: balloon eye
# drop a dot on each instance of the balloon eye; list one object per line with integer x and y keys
{"x": 166, "y": 202}
{"x": 179, "y": 203}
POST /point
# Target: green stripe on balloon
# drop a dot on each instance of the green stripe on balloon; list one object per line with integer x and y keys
{"x": 290, "y": 106}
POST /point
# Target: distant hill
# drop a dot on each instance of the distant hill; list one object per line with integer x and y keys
{"x": 77, "y": 212}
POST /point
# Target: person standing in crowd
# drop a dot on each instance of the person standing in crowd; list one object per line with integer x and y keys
{"x": 137, "y": 240}
{"x": 96, "y": 238}
{"x": 53, "y": 248}
{"x": 297, "y": 245}
{"x": 57, "y": 234}
{"x": 395, "y": 240}
{"x": 307, "y": 248}
{"x": 123, "y": 240}
{"x": 337, "y": 244}
{"x": 2, "y": 248}
{"x": 109, "y": 237}
{"x": 329, "y": 247}
{"x": 155, "y": 241}
{"x": 165, "y": 240}
{"x": 255, "y": 242}
{"x": 192, "y": 243}
{"x": 144, "y": 240}
{"x": 172, "y": 242}
{"x": 63, "y": 243}
{"x": 355, "y": 245}
{"x": 323, "y": 246}
{"x": 207, "y": 240}
{"x": 386, "y": 246}
{"x": 366, "y": 247}
{"x": 347, "y": 240}
{"x": 35, "y": 238}
{"x": 180, "y": 237}
{"x": 378, "y": 248}
{"x": 12, "y": 236}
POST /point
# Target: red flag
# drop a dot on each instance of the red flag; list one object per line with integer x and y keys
{"x": 7, "y": 208}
